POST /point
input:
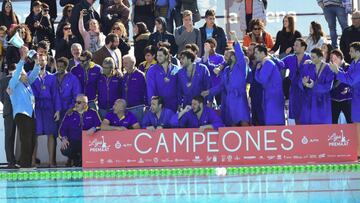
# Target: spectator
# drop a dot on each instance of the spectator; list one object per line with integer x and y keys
{"x": 286, "y": 37}
{"x": 88, "y": 74}
{"x": 198, "y": 115}
{"x": 175, "y": 17}
{"x": 23, "y": 102}
{"x": 143, "y": 11}
{"x": 150, "y": 54}
{"x": 65, "y": 2}
{"x": 52, "y": 9}
{"x": 12, "y": 52}
{"x": 9, "y": 123}
{"x": 110, "y": 49}
{"x": 316, "y": 83}
{"x": 3, "y": 45}
{"x": 107, "y": 3}
{"x": 47, "y": 108}
{"x": 191, "y": 5}
{"x": 90, "y": 14}
{"x": 75, "y": 121}
{"x": 93, "y": 39}
{"x": 316, "y": 38}
{"x": 8, "y": 15}
{"x": 120, "y": 118}
{"x": 258, "y": 35}
{"x": 40, "y": 25}
{"x": 250, "y": 10}
{"x": 350, "y": 34}
{"x": 66, "y": 14}
{"x": 64, "y": 40}
{"x": 164, "y": 9}
{"x": 187, "y": 33}
{"x": 161, "y": 35}
{"x": 326, "y": 49}
{"x": 134, "y": 88}
{"x": 341, "y": 93}
{"x": 158, "y": 117}
{"x": 68, "y": 84}
{"x": 211, "y": 30}
{"x": 109, "y": 87}
{"x": 141, "y": 39}
{"x": 117, "y": 12}
{"x": 76, "y": 50}
{"x": 119, "y": 29}
{"x": 334, "y": 9}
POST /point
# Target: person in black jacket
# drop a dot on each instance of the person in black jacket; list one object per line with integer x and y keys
{"x": 52, "y": 9}
{"x": 161, "y": 35}
{"x": 211, "y": 30}
{"x": 75, "y": 15}
{"x": 64, "y": 40}
{"x": 9, "y": 123}
{"x": 40, "y": 24}
{"x": 286, "y": 37}
{"x": 7, "y": 14}
{"x": 73, "y": 2}
{"x": 350, "y": 34}
{"x": 141, "y": 38}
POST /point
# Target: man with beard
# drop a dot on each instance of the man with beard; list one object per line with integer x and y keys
{"x": 88, "y": 74}
{"x": 295, "y": 63}
{"x": 199, "y": 116}
{"x": 158, "y": 117}
{"x": 256, "y": 90}
{"x": 268, "y": 74}
{"x": 68, "y": 84}
{"x": 161, "y": 80}
{"x": 110, "y": 49}
{"x": 47, "y": 108}
{"x": 235, "y": 108}
{"x": 193, "y": 78}
{"x": 212, "y": 60}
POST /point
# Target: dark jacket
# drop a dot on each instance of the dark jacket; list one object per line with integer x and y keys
{"x": 64, "y": 2}
{"x": 166, "y": 36}
{"x": 44, "y": 32}
{"x": 4, "y": 96}
{"x": 75, "y": 15}
{"x": 63, "y": 47}
{"x": 220, "y": 37}
{"x": 349, "y": 35}
{"x": 140, "y": 42}
{"x": 52, "y": 8}
{"x": 7, "y": 20}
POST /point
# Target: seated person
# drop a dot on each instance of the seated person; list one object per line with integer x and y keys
{"x": 158, "y": 117}
{"x": 120, "y": 118}
{"x": 80, "y": 118}
{"x": 198, "y": 115}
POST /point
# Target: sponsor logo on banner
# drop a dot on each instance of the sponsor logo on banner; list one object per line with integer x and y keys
{"x": 98, "y": 145}
{"x": 338, "y": 140}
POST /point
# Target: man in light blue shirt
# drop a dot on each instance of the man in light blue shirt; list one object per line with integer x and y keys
{"x": 23, "y": 103}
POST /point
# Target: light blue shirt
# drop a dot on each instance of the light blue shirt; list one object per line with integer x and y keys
{"x": 21, "y": 95}
{"x": 209, "y": 32}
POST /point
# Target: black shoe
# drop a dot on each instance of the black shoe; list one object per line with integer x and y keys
{"x": 12, "y": 166}
{"x": 37, "y": 161}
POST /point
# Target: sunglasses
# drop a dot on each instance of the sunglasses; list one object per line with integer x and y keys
{"x": 46, "y": 10}
{"x": 79, "y": 102}
{"x": 69, "y": 11}
{"x": 257, "y": 28}
{"x": 67, "y": 28}
{"x": 116, "y": 28}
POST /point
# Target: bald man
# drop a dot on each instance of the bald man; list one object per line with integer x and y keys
{"x": 120, "y": 118}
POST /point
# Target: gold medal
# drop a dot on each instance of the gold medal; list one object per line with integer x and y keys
{"x": 43, "y": 87}
{"x": 188, "y": 84}
{"x": 166, "y": 79}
